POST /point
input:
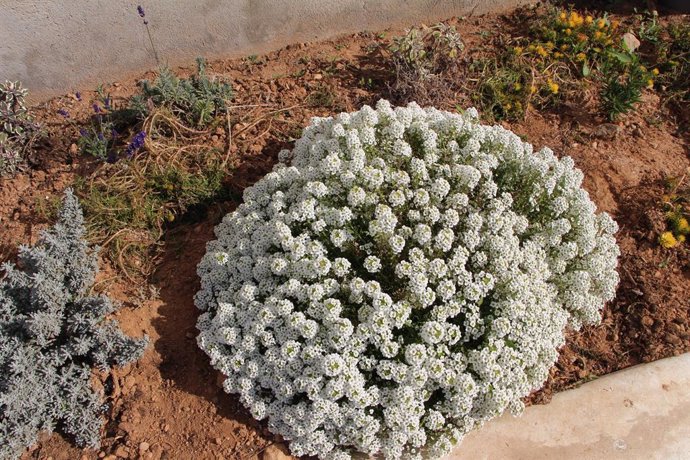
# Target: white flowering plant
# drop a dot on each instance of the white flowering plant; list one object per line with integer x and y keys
{"x": 400, "y": 277}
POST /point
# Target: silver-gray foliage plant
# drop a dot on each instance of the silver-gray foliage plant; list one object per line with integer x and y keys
{"x": 53, "y": 332}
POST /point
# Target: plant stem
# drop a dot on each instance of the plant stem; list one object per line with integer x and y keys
{"x": 155, "y": 53}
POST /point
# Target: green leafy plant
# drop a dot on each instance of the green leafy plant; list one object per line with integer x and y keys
{"x": 623, "y": 80}
{"x": 196, "y": 100}
{"x": 671, "y": 55}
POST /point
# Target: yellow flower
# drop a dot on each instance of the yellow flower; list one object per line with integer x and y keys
{"x": 562, "y": 16}
{"x": 580, "y": 56}
{"x": 564, "y": 47}
{"x": 601, "y": 23}
{"x": 643, "y": 68}
{"x": 667, "y": 240}
{"x": 650, "y": 83}
{"x": 532, "y": 89}
{"x": 681, "y": 238}
{"x": 655, "y": 71}
{"x": 518, "y": 50}
{"x": 517, "y": 86}
{"x": 541, "y": 51}
{"x": 568, "y": 31}
{"x": 558, "y": 55}
{"x": 548, "y": 45}
{"x": 614, "y": 25}
{"x": 553, "y": 86}
{"x": 683, "y": 226}
{"x": 597, "y": 35}
{"x": 589, "y": 19}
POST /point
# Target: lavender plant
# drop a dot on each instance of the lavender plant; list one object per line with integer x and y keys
{"x": 53, "y": 332}
{"x": 195, "y": 100}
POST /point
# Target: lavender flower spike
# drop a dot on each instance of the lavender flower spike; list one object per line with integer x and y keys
{"x": 140, "y": 10}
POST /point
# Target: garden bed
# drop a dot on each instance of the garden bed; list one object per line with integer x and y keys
{"x": 170, "y": 405}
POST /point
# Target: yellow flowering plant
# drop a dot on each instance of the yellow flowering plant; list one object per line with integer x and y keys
{"x": 677, "y": 206}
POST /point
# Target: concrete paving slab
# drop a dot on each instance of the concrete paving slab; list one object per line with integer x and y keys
{"x": 639, "y": 413}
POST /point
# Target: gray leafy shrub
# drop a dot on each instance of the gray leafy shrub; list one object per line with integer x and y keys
{"x": 53, "y": 332}
{"x": 18, "y": 131}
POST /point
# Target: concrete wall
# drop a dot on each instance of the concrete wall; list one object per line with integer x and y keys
{"x": 55, "y": 46}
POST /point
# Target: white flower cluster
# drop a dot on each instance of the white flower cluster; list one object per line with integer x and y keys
{"x": 408, "y": 277}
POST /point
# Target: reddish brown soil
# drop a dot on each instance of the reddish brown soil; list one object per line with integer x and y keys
{"x": 169, "y": 404}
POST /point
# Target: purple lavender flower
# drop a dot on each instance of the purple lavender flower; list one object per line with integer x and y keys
{"x": 64, "y": 113}
{"x": 78, "y": 96}
{"x": 114, "y": 134}
{"x": 83, "y": 132}
{"x": 106, "y": 103}
{"x": 101, "y": 137}
{"x": 97, "y": 108}
{"x": 135, "y": 144}
{"x": 140, "y": 10}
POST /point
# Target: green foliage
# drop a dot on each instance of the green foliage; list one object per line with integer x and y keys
{"x": 623, "y": 79}
{"x": 129, "y": 204}
{"x": 672, "y": 57}
{"x": 17, "y": 128}
{"x": 564, "y": 53}
{"x": 195, "y": 100}
{"x": 503, "y": 88}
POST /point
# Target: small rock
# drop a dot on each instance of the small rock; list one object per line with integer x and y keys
{"x": 73, "y": 149}
{"x": 672, "y": 339}
{"x": 647, "y": 321}
{"x": 220, "y": 131}
{"x": 166, "y": 428}
{"x": 318, "y": 76}
{"x": 143, "y": 447}
{"x": 214, "y": 138}
{"x": 110, "y": 457}
{"x": 637, "y": 132}
{"x": 122, "y": 452}
{"x": 595, "y": 144}
{"x": 219, "y": 441}
{"x": 606, "y": 131}
{"x": 274, "y": 452}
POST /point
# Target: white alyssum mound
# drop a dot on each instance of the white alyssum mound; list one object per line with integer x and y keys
{"x": 407, "y": 277}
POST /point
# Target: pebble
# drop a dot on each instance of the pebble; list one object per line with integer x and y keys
{"x": 647, "y": 321}
{"x": 318, "y": 76}
{"x": 595, "y": 144}
{"x": 73, "y": 149}
{"x": 672, "y": 339}
{"x": 143, "y": 447}
{"x": 273, "y": 452}
{"x": 122, "y": 452}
